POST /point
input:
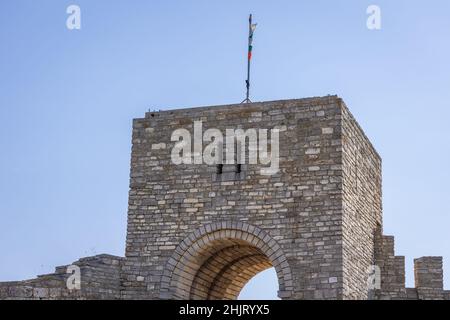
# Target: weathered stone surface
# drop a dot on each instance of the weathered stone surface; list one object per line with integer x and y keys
{"x": 100, "y": 279}
{"x": 198, "y": 231}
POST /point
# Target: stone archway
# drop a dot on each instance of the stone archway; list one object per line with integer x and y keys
{"x": 217, "y": 260}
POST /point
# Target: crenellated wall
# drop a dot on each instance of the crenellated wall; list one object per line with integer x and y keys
{"x": 428, "y": 275}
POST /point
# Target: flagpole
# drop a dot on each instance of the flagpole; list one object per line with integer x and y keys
{"x": 247, "y": 98}
{"x": 249, "y": 56}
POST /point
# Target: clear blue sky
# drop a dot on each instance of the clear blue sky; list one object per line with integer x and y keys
{"x": 67, "y": 99}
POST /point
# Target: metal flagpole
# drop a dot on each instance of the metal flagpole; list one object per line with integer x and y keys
{"x": 251, "y": 28}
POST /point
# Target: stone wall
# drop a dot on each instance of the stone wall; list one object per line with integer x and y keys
{"x": 99, "y": 280}
{"x": 201, "y": 231}
{"x": 428, "y": 275}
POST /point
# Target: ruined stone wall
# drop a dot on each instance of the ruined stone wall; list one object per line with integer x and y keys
{"x": 99, "y": 279}
{"x": 428, "y": 275}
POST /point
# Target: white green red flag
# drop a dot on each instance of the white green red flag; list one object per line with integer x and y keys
{"x": 250, "y": 40}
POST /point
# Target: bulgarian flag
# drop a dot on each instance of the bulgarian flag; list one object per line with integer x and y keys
{"x": 250, "y": 38}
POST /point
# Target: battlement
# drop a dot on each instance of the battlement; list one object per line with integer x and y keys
{"x": 428, "y": 275}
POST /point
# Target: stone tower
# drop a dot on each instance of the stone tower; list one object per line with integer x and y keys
{"x": 194, "y": 233}
{"x": 202, "y": 231}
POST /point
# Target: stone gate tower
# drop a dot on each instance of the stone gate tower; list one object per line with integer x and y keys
{"x": 196, "y": 232}
{"x": 199, "y": 231}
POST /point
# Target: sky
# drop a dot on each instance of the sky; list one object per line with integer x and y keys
{"x": 68, "y": 97}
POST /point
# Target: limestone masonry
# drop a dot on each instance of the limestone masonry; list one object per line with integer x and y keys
{"x": 198, "y": 231}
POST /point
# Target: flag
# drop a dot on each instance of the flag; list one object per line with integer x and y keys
{"x": 250, "y": 40}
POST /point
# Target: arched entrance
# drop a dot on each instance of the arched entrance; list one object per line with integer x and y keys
{"x": 217, "y": 260}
